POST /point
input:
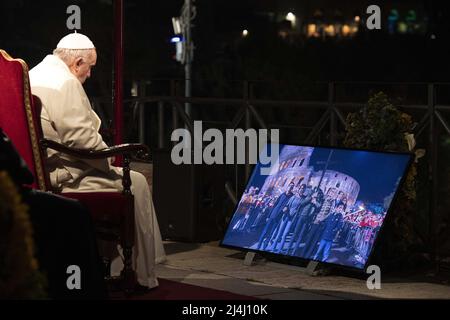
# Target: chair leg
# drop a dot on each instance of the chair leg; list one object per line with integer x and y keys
{"x": 127, "y": 239}
{"x": 106, "y": 268}
{"x": 128, "y": 274}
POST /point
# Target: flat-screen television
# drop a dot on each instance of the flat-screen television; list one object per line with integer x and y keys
{"x": 318, "y": 203}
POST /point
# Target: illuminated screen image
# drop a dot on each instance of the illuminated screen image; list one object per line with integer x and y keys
{"x": 322, "y": 204}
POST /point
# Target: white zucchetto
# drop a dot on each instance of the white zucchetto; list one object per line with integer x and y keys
{"x": 75, "y": 41}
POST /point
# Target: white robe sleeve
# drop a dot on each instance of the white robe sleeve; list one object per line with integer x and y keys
{"x": 74, "y": 122}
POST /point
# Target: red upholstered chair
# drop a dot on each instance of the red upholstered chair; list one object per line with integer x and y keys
{"x": 112, "y": 212}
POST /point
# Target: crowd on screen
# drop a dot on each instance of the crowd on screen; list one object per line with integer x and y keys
{"x": 308, "y": 222}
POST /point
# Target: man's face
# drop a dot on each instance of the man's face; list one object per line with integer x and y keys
{"x": 301, "y": 190}
{"x": 331, "y": 193}
{"x": 82, "y": 66}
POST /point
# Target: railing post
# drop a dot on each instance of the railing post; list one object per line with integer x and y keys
{"x": 432, "y": 171}
{"x": 160, "y": 124}
{"x": 142, "y": 119}
{"x": 174, "y": 94}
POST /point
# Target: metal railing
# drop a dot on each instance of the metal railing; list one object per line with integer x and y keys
{"x": 325, "y": 127}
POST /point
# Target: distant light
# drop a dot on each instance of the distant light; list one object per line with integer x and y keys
{"x": 175, "y": 39}
{"x": 361, "y": 208}
{"x": 402, "y": 27}
{"x": 292, "y": 18}
{"x": 283, "y": 34}
{"x": 312, "y": 29}
{"x": 393, "y": 15}
{"x": 134, "y": 89}
{"x": 412, "y": 16}
{"x": 176, "y": 24}
{"x": 330, "y": 30}
{"x": 357, "y": 19}
{"x": 433, "y": 36}
{"x": 244, "y": 32}
{"x": 345, "y": 30}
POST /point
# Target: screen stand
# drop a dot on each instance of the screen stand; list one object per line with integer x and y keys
{"x": 249, "y": 259}
{"x": 310, "y": 269}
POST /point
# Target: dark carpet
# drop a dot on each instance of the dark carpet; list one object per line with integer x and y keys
{"x": 173, "y": 290}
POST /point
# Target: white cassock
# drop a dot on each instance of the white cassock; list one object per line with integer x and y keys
{"x": 67, "y": 117}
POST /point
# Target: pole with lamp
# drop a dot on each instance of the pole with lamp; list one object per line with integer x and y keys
{"x": 185, "y": 46}
{"x": 118, "y": 76}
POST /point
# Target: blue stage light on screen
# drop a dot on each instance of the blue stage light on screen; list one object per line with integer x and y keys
{"x": 176, "y": 39}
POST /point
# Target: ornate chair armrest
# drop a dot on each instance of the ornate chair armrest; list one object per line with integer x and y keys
{"x": 135, "y": 150}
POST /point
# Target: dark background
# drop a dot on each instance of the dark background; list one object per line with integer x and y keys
{"x": 31, "y": 29}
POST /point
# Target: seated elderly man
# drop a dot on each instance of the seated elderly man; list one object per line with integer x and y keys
{"x": 68, "y": 118}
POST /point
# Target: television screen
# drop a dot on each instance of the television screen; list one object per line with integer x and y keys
{"x": 316, "y": 203}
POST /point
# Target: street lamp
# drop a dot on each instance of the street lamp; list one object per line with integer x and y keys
{"x": 176, "y": 25}
{"x": 184, "y": 44}
{"x": 292, "y": 18}
{"x": 176, "y": 39}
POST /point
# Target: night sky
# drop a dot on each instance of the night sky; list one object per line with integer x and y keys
{"x": 30, "y": 29}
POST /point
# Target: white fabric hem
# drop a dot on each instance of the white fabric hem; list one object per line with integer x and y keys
{"x": 149, "y": 283}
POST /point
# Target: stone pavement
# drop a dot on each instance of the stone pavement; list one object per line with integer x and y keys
{"x": 211, "y": 266}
